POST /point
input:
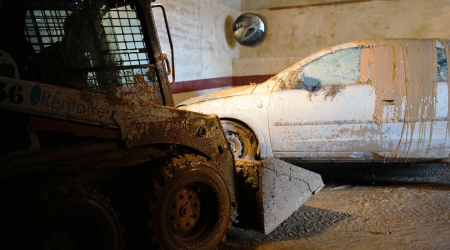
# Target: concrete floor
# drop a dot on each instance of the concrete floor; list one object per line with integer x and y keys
{"x": 360, "y": 217}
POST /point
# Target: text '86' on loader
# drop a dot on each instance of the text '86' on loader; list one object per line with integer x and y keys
{"x": 88, "y": 130}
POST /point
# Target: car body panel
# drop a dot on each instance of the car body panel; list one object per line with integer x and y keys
{"x": 397, "y": 109}
{"x": 252, "y": 111}
{"x": 243, "y": 90}
{"x": 301, "y": 122}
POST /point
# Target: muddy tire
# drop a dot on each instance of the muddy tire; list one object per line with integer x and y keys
{"x": 242, "y": 140}
{"x": 192, "y": 205}
{"x": 72, "y": 217}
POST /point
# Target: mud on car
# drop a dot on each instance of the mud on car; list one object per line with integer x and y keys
{"x": 366, "y": 100}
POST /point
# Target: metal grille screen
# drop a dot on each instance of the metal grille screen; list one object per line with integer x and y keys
{"x": 97, "y": 47}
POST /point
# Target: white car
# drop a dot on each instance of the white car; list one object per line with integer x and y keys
{"x": 367, "y": 100}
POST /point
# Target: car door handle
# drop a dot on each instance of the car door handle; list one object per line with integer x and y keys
{"x": 389, "y": 102}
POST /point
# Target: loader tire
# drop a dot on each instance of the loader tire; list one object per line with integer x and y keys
{"x": 192, "y": 207}
{"x": 72, "y": 217}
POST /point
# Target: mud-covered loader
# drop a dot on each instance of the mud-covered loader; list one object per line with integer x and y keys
{"x": 93, "y": 155}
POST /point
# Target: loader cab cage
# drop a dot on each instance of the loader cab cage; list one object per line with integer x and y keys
{"x": 92, "y": 45}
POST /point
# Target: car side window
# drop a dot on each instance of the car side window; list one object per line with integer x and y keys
{"x": 442, "y": 70}
{"x": 340, "y": 67}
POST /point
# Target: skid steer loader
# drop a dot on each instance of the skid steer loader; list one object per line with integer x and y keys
{"x": 93, "y": 155}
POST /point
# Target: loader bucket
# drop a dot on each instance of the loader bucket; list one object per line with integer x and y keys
{"x": 275, "y": 188}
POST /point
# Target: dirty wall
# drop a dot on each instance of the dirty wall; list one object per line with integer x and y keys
{"x": 203, "y": 49}
{"x": 297, "y": 29}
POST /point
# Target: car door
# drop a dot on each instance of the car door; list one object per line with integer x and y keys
{"x": 321, "y": 110}
{"x": 424, "y": 98}
{"x": 410, "y": 80}
{"x": 437, "y": 143}
{"x": 383, "y": 67}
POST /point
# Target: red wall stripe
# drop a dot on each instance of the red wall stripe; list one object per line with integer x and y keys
{"x": 211, "y": 83}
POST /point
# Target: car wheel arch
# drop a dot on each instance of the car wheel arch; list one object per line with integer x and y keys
{"x": 264, "y": 150}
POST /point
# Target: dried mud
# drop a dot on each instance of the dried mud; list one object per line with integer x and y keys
{"x": 403, "y": 76}
{"x": 360, "y": 217}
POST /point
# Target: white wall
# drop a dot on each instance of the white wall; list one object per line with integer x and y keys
{"x": 297, "y": 29}
{"x": 263, "y": 4}
{"x": 203, "y": 48}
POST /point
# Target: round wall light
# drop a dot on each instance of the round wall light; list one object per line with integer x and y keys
{"x": 249, "y": 29}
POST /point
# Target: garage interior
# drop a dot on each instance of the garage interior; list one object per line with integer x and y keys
{"x": 212, "y": 59}
{"x": 363, "y": 206}
{"x": 120, "y": 161}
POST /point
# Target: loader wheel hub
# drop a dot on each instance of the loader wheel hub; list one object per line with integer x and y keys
{"x": 185, "y": 211}
{"x": 207, "y": 210}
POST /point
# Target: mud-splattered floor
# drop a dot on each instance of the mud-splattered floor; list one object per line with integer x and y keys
{"x": 360, "y": 217}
